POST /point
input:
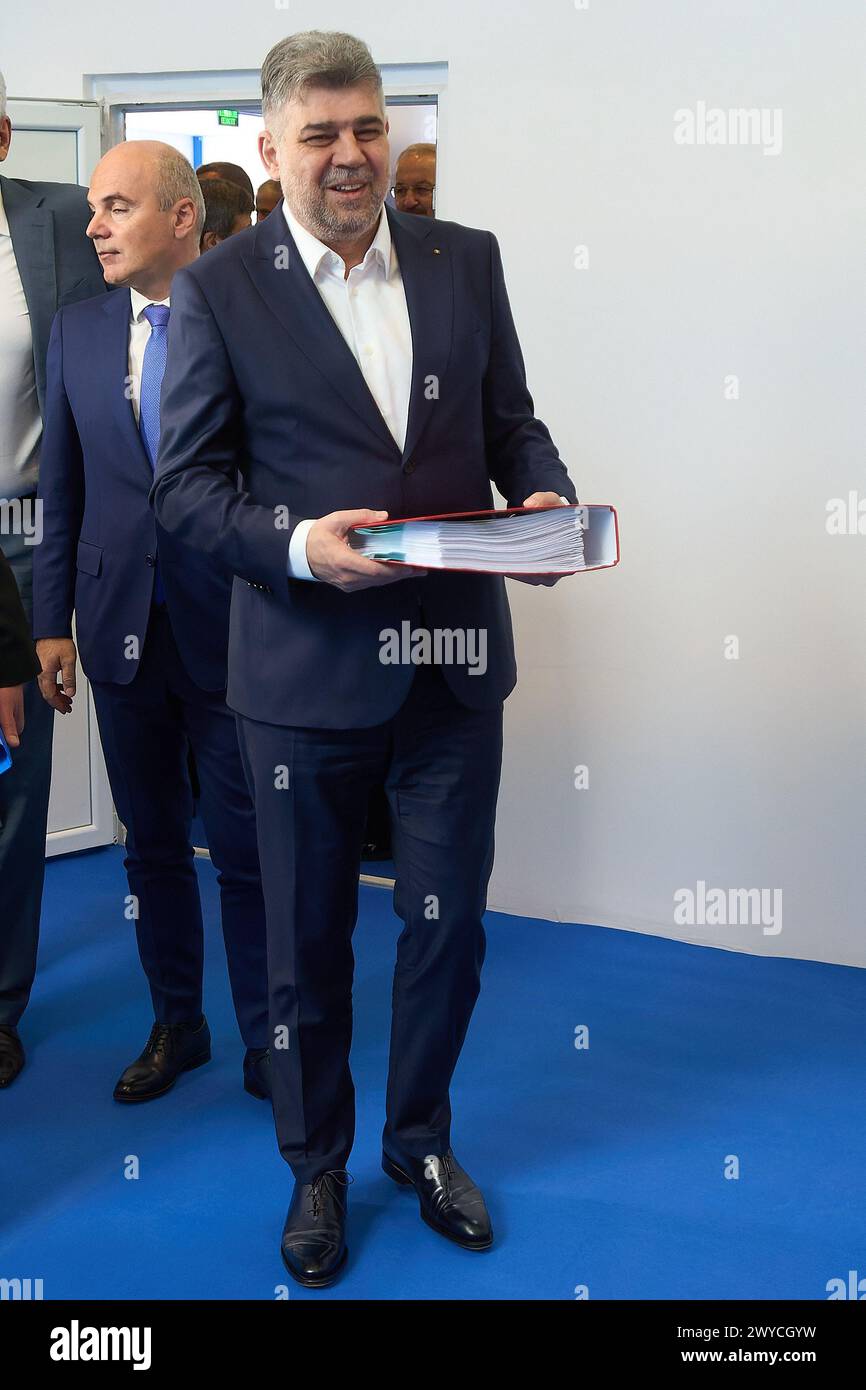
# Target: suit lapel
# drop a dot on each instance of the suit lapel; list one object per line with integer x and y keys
{"x": 282, "y": 280}
{"x": 112, "y": 372}
{"x": 425, "y": 266}
{"x": 31, "y": 227}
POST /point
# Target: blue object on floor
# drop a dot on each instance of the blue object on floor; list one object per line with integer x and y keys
{"x": 603, "y": 1166}
{"x": 5, "y": 755}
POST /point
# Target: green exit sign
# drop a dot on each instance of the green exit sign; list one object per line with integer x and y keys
{"x": 227, "y": 117}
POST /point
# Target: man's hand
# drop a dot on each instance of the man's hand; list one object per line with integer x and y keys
{"x": 332, "y": 559}
{"x": 12, "y": 713}
{"x": 58, "y": 657}
{"x": 541, "y": 499}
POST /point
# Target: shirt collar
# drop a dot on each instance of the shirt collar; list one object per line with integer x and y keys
{"x": 140, "y": 303}
{"x": 312, "y": 251}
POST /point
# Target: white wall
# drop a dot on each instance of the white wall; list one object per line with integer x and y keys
{"x": 703, "y": 262}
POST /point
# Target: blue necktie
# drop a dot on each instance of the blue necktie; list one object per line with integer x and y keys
{"x": 152, "y": 372}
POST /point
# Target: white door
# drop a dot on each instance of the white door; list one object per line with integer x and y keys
{"x": 58, "y": 142}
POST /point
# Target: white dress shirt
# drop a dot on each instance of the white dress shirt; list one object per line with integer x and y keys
{"x": 369, "y": 308}
{"x": 20, "y": 420}
{"x": 139, "y": 332}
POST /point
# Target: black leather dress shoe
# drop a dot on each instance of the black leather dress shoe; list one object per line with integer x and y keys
{"x": 257, "y": 1072}
{"x": 314, "y": 1236}
{"x": 171, "y": 1049}
{"x": 11, "y": 1054}
{"x": 449, "y": 1200}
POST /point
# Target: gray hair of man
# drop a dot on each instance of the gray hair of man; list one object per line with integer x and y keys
{"x": 315, "y": 58}
{"x": 176, "y": 179}
{"x": 2, "y": 96}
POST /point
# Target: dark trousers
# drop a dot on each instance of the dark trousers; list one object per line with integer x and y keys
{"x": 24, "y": 792}
{"x": 440, "y": 765}
{"x": 146, "y": 728}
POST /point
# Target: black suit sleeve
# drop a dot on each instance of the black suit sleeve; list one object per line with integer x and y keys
{"x": 18, "y": 660}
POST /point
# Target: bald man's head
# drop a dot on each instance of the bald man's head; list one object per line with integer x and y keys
{"x": 415, "y": 180}
{"x": 148, "y": 213}
{"x": 268, "y": 195}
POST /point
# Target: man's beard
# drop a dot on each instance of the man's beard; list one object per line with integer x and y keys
{"x": 313, "y": 210}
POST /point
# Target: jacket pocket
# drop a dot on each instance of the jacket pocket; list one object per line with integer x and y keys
{"x": 89, "y": 558}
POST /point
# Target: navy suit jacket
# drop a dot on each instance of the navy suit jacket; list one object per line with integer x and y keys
{"x": 259, "y": 379}
{"x": 100, "y": 537}
{"x": 56, "y": 261}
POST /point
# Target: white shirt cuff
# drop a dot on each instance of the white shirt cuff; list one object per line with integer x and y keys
{"x": 297, "y": 565}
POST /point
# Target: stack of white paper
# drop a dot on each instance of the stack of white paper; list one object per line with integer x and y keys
{"x": 533, "y": 542}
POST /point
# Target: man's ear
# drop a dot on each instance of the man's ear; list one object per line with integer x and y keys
{"x": 268, "y": 154}
{"x": 5, "y": 136}
{"x": 184, "y": 217}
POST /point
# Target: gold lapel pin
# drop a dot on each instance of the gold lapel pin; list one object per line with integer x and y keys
{"x": 435, "y": 250}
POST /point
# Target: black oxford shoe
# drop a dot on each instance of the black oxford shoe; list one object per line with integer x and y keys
{"x": 11, "y": 1054}
{"x": 172, "y": 1048}
{"x": 449, "y": 1200}
{"x": 257, "y": 1072}
{"x": 314, "y": 1236}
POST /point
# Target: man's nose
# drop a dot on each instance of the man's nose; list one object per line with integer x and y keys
{"x": 348, "y": 153}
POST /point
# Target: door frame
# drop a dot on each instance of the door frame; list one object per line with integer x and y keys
{"x": 82, "y": 118}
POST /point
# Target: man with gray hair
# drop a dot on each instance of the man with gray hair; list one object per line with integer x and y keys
{"x": 45, "y": 261}
{"x": 152, "y": 619}
{"x": 355, "y": 363}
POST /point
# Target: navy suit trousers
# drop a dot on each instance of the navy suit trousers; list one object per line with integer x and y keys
{"x": 440, "y": 764}
{"x": 24, "y": 793}
{"x": 146, "y": 728}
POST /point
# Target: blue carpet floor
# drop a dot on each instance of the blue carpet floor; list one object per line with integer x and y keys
{"x": 603, "y": 1167}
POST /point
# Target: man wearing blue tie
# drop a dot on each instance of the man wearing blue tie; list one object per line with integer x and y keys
{"x": 152, "y": 619}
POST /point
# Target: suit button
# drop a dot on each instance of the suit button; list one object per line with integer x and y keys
{"x": 409, "y": 467}
{"x": 150, "y": 560}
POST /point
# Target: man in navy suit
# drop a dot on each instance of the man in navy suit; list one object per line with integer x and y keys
{"x": 45, "y": 261}
{"x": 151, "y": 616}
{"x": 352, "y": 363}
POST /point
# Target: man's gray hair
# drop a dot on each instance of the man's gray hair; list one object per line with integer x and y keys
{"x": 176, "y": 179}
{"x": 2, "y": 96}
{"x": 315, "y": 59}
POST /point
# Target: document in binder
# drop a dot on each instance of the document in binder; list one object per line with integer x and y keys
{"x": 517, "y": 540}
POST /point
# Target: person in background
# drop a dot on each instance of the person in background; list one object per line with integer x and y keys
{"x": 18, "y": 665}
{"x": 222, "y": 169}
{"x": 18, "y": 660}
{"x": 227, "y": 210}
{"x": 45, "y": 261}
{"x": 415, "y": 180}
{"x": 268, "y": 195}
{"x": 151, "y": 619}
